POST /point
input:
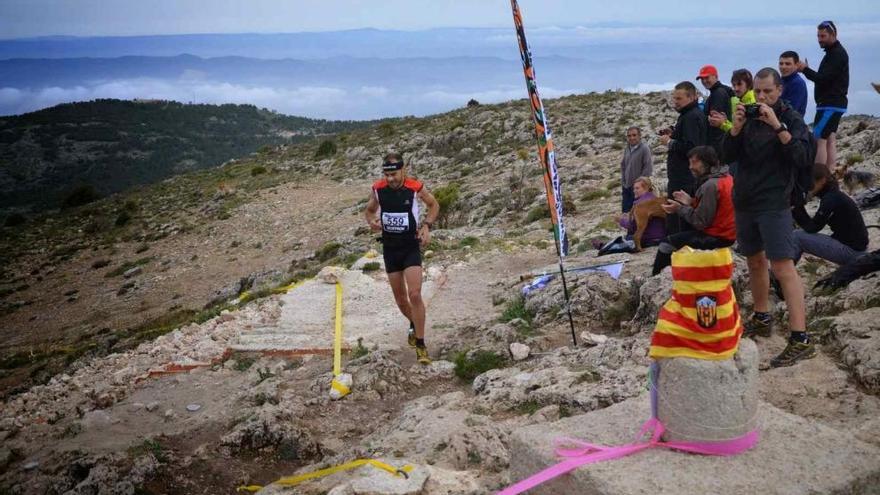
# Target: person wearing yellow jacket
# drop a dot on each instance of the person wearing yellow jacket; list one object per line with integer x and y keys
{"x": 742, "y": 82}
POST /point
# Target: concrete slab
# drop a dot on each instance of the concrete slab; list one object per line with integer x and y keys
{"x": 307, "y": 318}
{"x": 794, "y": 457}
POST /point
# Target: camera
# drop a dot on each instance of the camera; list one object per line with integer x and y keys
{"x": 753, "y": 111}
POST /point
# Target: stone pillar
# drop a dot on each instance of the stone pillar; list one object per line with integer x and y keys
{"x": 703, "y": 400}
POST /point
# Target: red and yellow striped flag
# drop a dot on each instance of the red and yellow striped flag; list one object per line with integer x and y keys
{"x": 701, "y": 320}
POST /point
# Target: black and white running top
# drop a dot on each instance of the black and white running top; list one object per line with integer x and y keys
{"x": 399, "y": 212}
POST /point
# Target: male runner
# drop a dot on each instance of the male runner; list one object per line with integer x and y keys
{"x": 393, "y": 209}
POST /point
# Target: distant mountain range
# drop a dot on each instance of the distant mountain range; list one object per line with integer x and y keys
{"x": 111, "y": 145}
{"x": 370, "y": 73}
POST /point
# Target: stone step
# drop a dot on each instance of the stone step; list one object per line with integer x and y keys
{"x": 795, "y": 456}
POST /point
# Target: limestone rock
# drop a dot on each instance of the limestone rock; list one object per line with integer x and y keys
{"x": 272, "y": 426}
{"x": 856, "y": 335}
{"x": 703, "y": 400}
{"x": 345, "y": 380}
{"x": 839, "y": 463}
{"x": 378, "y": 482}
{"x": 330, "y": 274}
{"x": 442, "y": 431}
{"x": 519, "y": 351}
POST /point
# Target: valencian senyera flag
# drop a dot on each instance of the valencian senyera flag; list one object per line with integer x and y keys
{"x": 546, "y": 153}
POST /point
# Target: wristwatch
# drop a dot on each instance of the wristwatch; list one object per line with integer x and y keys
{"x": 782, "y": 127}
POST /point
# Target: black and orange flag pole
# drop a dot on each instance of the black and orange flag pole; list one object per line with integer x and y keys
{"x": 547, "y": 156}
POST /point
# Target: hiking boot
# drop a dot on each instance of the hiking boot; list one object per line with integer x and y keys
{"x": 422, "y": 354}
{"x": 794, "y": 352}
{"x": 411, "y": 337}
{"x": 755, "y": 327}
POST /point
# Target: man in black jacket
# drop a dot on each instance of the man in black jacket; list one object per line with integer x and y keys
{"x": 718, "y": 101}
{"x": 689, "y": 132}
{"x": 832, "y": 84}
{"x": 769, "y": 144}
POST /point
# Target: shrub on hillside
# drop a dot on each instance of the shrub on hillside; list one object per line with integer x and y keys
{"x": 80, "y": 195}
{"x": 328, "y": 251}
{"x": 123, "y": 218}
{"x": 258, "y": 170}
{"x": 538, "y": 212}
{"x": 469, "y": 367}
{"x": 14, "y": 220}
{"x": 447, "y": 197}
{"x": 325, "y": 149}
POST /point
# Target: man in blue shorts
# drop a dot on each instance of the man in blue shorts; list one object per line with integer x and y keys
{"x": 770, "y": 141}
{"x": 832, "y": 85}
{"x": 393, "y": 209}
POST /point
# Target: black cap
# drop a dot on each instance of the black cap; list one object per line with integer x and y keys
{"x": 390, "y": 166}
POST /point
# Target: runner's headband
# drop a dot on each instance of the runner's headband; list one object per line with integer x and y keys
{"x": 390, "y": 166}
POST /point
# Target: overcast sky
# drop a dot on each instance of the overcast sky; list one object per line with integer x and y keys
{"x": 26, "y": 18}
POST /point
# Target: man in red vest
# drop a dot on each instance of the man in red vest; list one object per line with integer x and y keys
{"x": 710, "y": 211}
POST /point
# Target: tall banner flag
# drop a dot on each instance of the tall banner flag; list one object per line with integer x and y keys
{"x": 547, "y": 155}
{"x": 546, "y": 152}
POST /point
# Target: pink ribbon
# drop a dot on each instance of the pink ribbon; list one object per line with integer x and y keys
{"x": 588, "y": 453}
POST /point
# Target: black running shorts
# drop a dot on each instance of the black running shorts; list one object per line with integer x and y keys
{"x": 399, "y": 258}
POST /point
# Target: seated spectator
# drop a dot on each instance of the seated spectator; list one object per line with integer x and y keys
{"x": 643, "y": 190}
{"x": 709, "y": 212}
{"x": 849, "y": 236}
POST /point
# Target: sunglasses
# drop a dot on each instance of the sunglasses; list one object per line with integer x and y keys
{"x": 829, "y": 26}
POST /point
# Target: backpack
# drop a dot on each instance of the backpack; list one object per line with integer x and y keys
{"x": 802, "y": 176}
{"x": 868, "y": 199}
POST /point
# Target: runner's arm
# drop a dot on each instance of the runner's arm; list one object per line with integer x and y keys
{"x": 371, "y": 212}
{"x": 433, "y": 207}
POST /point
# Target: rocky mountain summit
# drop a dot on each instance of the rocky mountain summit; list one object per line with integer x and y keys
{"x": 124, "y": 366}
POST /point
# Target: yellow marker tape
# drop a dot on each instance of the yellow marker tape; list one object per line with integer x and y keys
{"x": 340, "y": 387}
{"x": 337, "y": 345}
{"x": 295, "y": 480}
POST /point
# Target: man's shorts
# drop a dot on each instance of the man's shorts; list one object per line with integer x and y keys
{"x": 399, "y": 258}
{"x": 826, "y": 121}
{"x": 768, "y": 231}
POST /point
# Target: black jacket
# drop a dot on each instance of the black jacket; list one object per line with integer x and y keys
{"x": 765, "y": 174}
{"x": 832, "y": 78}
{"x": 719, "y": 100}
{"x": 689, "y": 132}
{"x": 839, "y": 212}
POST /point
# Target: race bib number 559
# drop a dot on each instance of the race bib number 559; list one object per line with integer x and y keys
{"x": 395, "y": 222}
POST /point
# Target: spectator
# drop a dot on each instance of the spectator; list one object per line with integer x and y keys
{"x": 656, "y": 230}
{"x": 794, "y": 88}
{"x": 769, "y": 144}
{"x": 689, "y": 131}
{"x": 710, "y": 211}
{"x": 717, "y": 102}
{"x": 637, "y": 162}
{"x": 741, "y": 80}
{"x": 849, "y": 236}
{"x": 832, "y": 84}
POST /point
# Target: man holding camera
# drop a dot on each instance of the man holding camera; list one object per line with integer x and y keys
{"x": 689, "y": 132}
{"x": 770, "y": 141}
